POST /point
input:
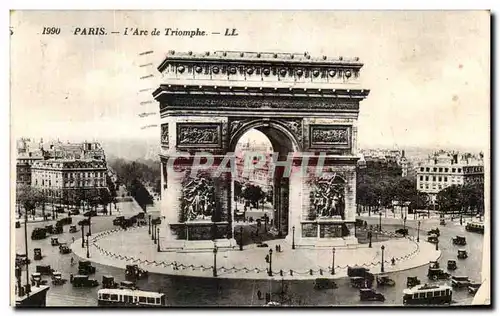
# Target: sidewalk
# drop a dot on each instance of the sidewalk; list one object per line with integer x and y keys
{"x": 119, "y": 248}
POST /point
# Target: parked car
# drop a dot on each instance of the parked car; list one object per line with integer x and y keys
{"x": 90, "y": 214}
{"x": 459, "y": 240}
{"x": 83, "y": 281}
{"x": 452, "y": 265}
{"x": 434, "y": 265}
{"x": 437, "y": 274}
{"x": 36, "y": 279}
{"x": 359, "y": 282}
{"x": 108, "y": 282}
{"x": 22, "y": 259}
{"x": 460, "y": 281}
{"x": 37, "y": 254}
{"x": 384, "y": 280}
{"x": 54, "y": 241}
{"x": 57, "y": 278}
{"x": 370, "y": 295}
{"x": 38, "y": 233}
{"x": 433, "y": 239}
{"x": 85, "y": 267}
{"x": 118, "y": 221}
{"x": 412, "y": 281}
{"x": 324, "y": 283}
{"x": 434, "y": 231}
{"x": 462, "y": 254}
{"x": 64, "y": 249}
{"x": 133, "y": 271}
{"x": 402, "y": 231}
{"x": 73, "y": 229}
{"x": 44, "y": 269}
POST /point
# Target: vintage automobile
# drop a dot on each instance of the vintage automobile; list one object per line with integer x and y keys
{"x": 356, "y": 272}
{"x": 437, "y": 274}
{"x": 36, "y": 279}
{"x": 412, "y": 281}
{"x": 473, "y": 287}
{"x": 359, "y": 223}
{"x": 54, "y": 241}
{"x": 73, "y": 229}
{"x": 90, "y": 213}
{"x": 118, "y": 221}
{"x": 324, "y": 283}
{"x": 433, "y": 239}
{"x": 475, "y": 227}
{"x": 133, "y": 271}
{"x": 64, "y": 249}
{"x": 18, "y": 224}
{"x": 442, "y": 222}
{"x": 74, "y": 212}
{"x": 83, "y": 281}
{"x": 38, "y": 233}
{"x": 37, "y": 254}
{"x": 459, "y": 240}
{"x": 128, "y": 285}
{"x": 434, "y": 265}
{"x": 462, "y": 254}
{"x": 434, "y": 231}
{"x": 384, "y": 280}
{"x": 460, "y": 281}
{"x": 359, "y": 282}
{"x": 58, "y": 229}
{"x": 402, "y": 231}
{"x": 57, "y": 278}
{"x": 452, "y": 265}
{"x": 44, "y": 269}
{"x": 22, "y": 259}
{"x": 108, "y": 282}
{"x": 85, "y": 267}
{"x": 370, "y": 295}
{"x": 49, "y": 229}
{"x": 65, "y": 221}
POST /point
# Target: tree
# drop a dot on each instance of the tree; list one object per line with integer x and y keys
{"x": 253, "y": 194}
{"x": 105, "y": 199}
{"x": 29, "y": 197}
{"x": 450, "y": 199}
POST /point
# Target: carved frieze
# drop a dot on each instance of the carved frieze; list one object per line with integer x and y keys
{"x": 250, "y": 104}
{"x": 294, "y": 126}
{"x": 164, "y": 134}
{"x": 327, "y": 197}
{"x": 327, "y": 136}
{"x": 198, "y": 199}
{"x": 199, "y": 135}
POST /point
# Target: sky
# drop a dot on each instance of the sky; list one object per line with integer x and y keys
{"x": 428, "y": 72}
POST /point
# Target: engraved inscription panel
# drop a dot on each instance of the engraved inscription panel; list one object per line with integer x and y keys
{"x": 327, "y": 136}
{"x": 199, "y": 135}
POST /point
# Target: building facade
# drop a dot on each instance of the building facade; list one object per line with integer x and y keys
{"x": 56, "y": 178}
{"x": 444, "y": 170}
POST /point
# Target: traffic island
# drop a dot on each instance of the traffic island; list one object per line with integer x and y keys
{"x": 119, "y": 248}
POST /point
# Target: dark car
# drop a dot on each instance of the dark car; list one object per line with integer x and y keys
{"x": 370, "y": 295}
{"x": 437, "y": 274}
{"x": 118, "y": 221}
{"x": 434, "y": 231}
{"x": 133, "y": 271}
{"x": 83, "y": 281}
{"x": 64, "y": 249}
{"x": 108, "y": 282}
{"x": 44, "y": 269}
{"x": 452, "y": 265}
{"x": 38, "y": 233}
{"x": 402, "y": 231}
{"x": 22, "y": 260}
{"x": 462, "y": 254}
{"x": 384, "y": 280}
{"x": 324, "y": 283}
{"x": 460, "y": 281}
{"x": 37, "y": 254}
{"x": 433, "y": 239}
{"x": 412, "y": 281}
{"x": 90, "y": 214}
{"x": 459, "y": 240}
{"x": 85, "y": 267}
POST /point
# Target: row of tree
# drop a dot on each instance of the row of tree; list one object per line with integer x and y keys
{"x": 467, "y": 198}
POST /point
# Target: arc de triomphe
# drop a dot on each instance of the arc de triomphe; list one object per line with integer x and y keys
{"x": 306, "y": 106}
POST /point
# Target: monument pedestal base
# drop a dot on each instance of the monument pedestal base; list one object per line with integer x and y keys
{"x": 198, "y": 245}
{"x": 323, "y": 242}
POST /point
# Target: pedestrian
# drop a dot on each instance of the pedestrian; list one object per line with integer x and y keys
{"x": 72, "y": 261}
{"x": 259, "y": 294}
{"x": 73, "y": 239}
{"x": 393, "y": 261}
{"x": 276, "y": 248}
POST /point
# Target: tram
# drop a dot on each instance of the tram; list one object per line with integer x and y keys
{"x": 129, "y": 297}
{"x": 427, "y": 295}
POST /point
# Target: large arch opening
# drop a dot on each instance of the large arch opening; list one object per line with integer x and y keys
{"x": 260, "y": 190}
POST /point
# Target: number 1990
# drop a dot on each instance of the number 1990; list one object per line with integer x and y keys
{"x": 51, "y": 30}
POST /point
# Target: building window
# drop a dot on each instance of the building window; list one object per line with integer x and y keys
{"x": 446, "y": 169}
{"x": 422, "y": 169}
{"x": 440, "y": 179}
{"x": 421, "y": 186}
{"x": 440, "y": 169}
{"x": 426, "y": 178}
{"x": 426, "y": 186}
{"x": 452, "y": 169}
{"x": 459, "y": 170}
{"x": 434, "y": 169}
{"x": 427, "y": 169}
{"x": 421, "y": 178}
{"x": 445, "y": 179}
{"x": 433, "y": 178}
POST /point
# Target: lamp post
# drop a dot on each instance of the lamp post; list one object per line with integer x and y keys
{"x": 437, "y": 245}
{"x": 158, "y": 238}
{"x": 149, "y": 229}
{"x": 88, "y": 253}
{"x": 152, "y": 230}
{"x": 333, "y": 260}
{"x": 215, "y": 262}
{"x": 83, "y": 236}
{"x": 370, "y": 237}
{"x": 418, "y": 231}
{"x": 380, "y": 221}
{"x": 155, "y": 240}
{"x": 241, "y": 237}
{"x": 270, "y": 272}
{"x": 293, "y": 237}
{"x": 90, "y": 224}
{"x": 382, "y": 266}
{"x": 404, "y": 222}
